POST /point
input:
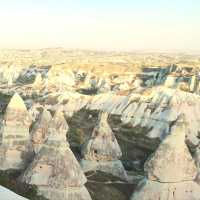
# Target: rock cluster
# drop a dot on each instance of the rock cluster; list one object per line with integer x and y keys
{"x": 55, "y": 170}
{"x": 102, "y": 151}
{"x": 60, "y": 78}
{"x": 171, "y": 171}
{"x": 15, "y": 148}
{"x": 8, "y": 74}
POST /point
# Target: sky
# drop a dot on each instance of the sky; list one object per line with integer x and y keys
{"x": 166, "y": 25}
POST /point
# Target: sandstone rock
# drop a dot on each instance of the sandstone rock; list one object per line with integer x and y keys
{"x": 197, "y": 161}
{"x": 138, "y": 83}
{"x": 87, "y": 81}
{"x": 38, "y": 82}
{"x": 55, "y": 170}
{"x": 171, "y": 81}
{"x": 184, "y": 86}
{"x": 103, "y": 144}
{"x": 103, "y": 86}
{"x": 172, "y": 161}
{"x": 194, "y": 83}
{"x": 61, "y": 78}
{"x": 15, "y": 147}
{"x": 171, "y": 171}
{"x": 40, "y": 130}
{"x": 8, "y": 74}
{"x": 35, "y": 111}
{"x": 153, "y": 190}
{"x": 102, "y": 150}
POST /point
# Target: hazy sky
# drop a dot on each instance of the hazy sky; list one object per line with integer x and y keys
{"x": 101, "y": 24}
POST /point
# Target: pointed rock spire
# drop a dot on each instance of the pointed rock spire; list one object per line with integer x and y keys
{"x": 102, "y": 151}
{"x": 38, "y": 81}
{"x": 15, "y": 139}
{"x": 16, "y": 112}
{"x": 16, "y": 103}
{"x": 55, "y": 170}
{"x": 171, "y": 171}
{"x": 172, "y": 162}
{"x": 60, "y": 126}
{"x": 103, "y": 144}
{"x": 40, "y": 130}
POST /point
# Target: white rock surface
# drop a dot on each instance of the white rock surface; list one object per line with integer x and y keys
{"x": 102, "y": 151}
{"x": 39, "y": 132}
{"x": 6, "y": 194}
{"x": 172, "y": 161}
{"x": 171, "y": 171}
{"x": 152, "y": 190}
{"x": 15, "y": 146}
{"x": 55, "y": 170}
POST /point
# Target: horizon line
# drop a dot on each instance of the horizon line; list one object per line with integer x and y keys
{"x": 173, "y": 51}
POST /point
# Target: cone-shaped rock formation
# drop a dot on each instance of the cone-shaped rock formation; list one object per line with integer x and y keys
{"x": 15, "y": 139}
{"x": 171, "y": 171}
{"x": 55, "y": 170}
{"x": 102, "y": 151}
{"x": 40, "y": 130}
{"x": 38, "y": 82}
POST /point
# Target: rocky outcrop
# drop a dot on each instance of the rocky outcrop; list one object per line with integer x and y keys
{"x": 15, "y": 148}
{"x": 102, "y": 151}
{"x": 55, "y": 170}
{"x": 171, "y": 171}
{"x": 155, "y": 109}
{"x": 38, "y": 82}
{"x": 8, "y": 74}
{"x": 72, "y": 102}
{"x": 194, "y": 83}
{"x": 39, "y": 132}
{"x": 60, "y": 78}
{"x": 171, "y": 81}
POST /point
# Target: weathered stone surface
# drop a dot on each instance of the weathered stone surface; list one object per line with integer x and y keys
{"x": 171, "y": 81}
{"x": 15, "y": 148}
{"x": 59, "y": 78}
{"x": 72, "y": 193}
{"x": 40, "y": 130}
{"x": 171, "y": 171}
{"x": 38, "y": 82}
{"x": 197, "y": 161}
{"x": 55, "y": 170}
{"x": 194, "y": 83}
{"x": 16, "y": 112}
{"x": 172, "y": 161}
{"x": 103, "y": 150}
{"x": 153, "y": 190}
{"x": 102, "y": 185}
{"x": 114, "y": 167}
{"x": 102, "y": 145}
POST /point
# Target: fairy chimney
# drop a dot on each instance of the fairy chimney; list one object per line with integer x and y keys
{"x": 38, "y": 82}
{"x": 55, "y": 170}
{"x": 39, "y": 132}
{"x": 102, "y": 151}
{"x": 15, "y": 148}
{"x": 171, "y": 171}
